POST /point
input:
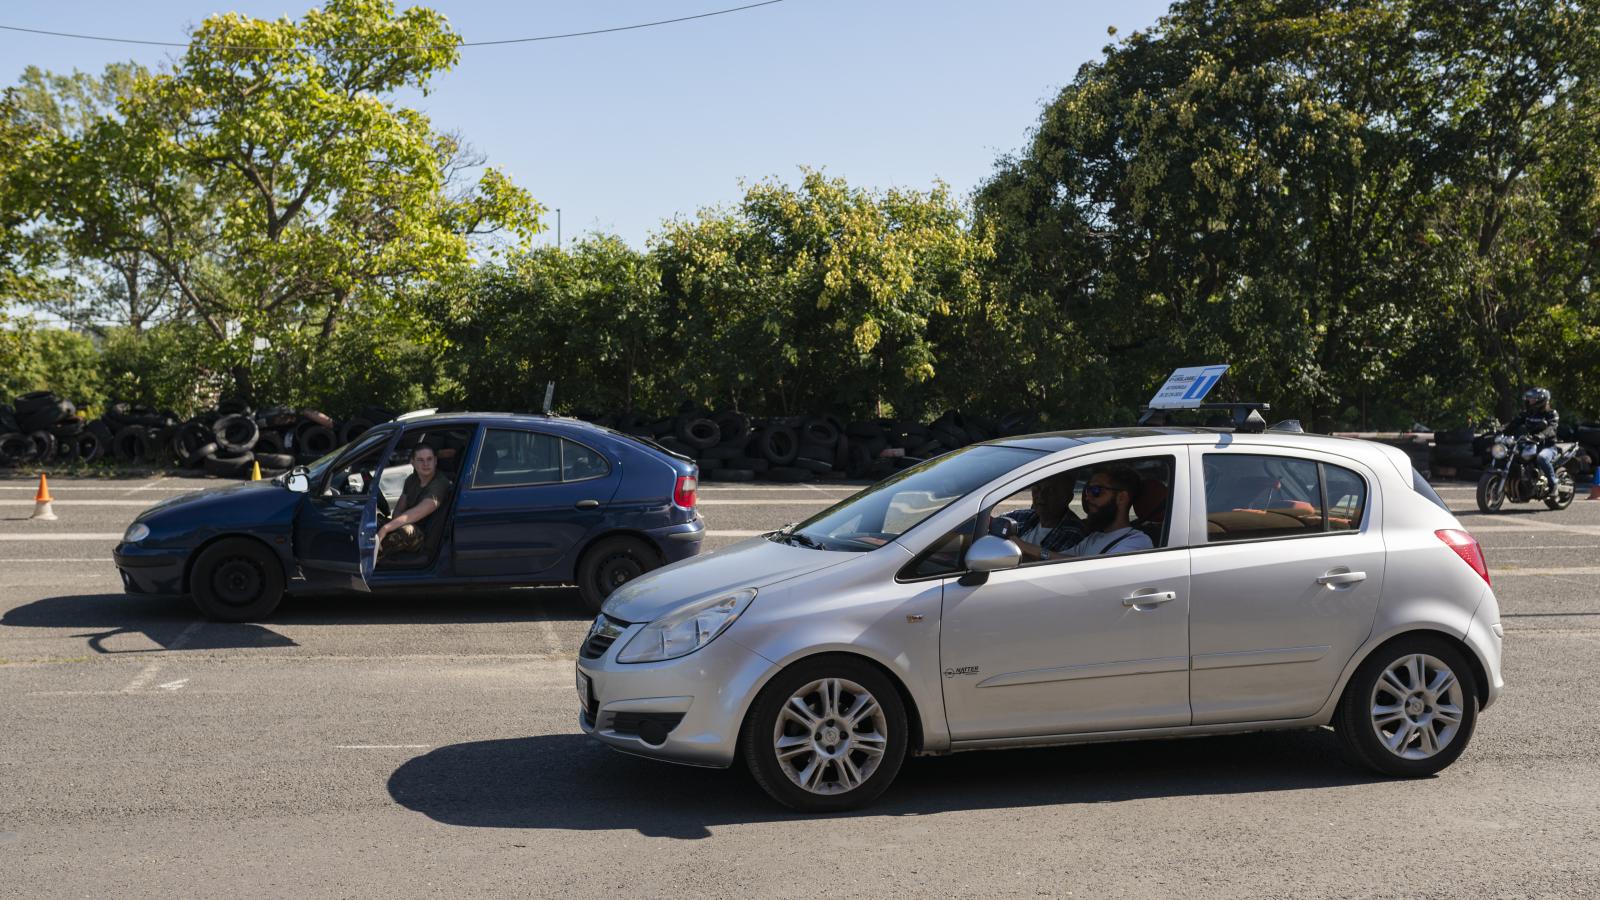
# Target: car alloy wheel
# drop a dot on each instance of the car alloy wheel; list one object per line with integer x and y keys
{"x": 830, "y": 736}
{"x": 1416, "y": 706}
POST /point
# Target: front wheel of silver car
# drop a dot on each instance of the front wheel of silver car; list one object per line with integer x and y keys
{"x": 826, "y": 734}
{"x": 1410, "y": 709}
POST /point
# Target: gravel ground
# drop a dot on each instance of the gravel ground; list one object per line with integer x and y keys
{"x": 358, "y": 746}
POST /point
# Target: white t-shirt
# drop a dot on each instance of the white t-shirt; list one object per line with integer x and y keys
{"x": 1126, "y": 540}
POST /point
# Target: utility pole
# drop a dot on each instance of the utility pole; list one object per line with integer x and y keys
{"x": 558, "y": 228}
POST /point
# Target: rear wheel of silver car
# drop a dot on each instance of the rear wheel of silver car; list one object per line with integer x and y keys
{"x": 1410, "y": 709}
{"x": 826, "y": 734}
{"x": 236, "y": 580}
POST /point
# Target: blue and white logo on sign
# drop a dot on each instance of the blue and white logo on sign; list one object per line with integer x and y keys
{"x": 1186, "y": 388}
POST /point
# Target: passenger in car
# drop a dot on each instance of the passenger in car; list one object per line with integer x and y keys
{"x": 1107, "y": 498}
{"x": 1048, "y": 526}
{"x": 425, "y": 490}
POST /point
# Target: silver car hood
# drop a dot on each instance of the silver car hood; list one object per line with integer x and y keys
{"x": 752, "y": 563}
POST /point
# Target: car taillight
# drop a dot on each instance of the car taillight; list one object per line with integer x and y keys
{"x": 683, "y": 491}
{"x": 1466, "y": 547}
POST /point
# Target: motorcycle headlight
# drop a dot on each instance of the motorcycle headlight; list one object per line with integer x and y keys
{"x": 686, "y": 630}
{"x": 136, "y": 532}
{"x": 1498, "y": 451}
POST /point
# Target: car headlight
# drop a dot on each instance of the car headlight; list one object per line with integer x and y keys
{"x": 686, "y": 630}
{"x": 136, "y": 532}
{"x": 1498, "y": 451}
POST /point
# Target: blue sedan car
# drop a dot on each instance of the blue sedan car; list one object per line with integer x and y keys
{"x": 532, "y": 500}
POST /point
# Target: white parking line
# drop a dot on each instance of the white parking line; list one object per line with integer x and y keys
{"x": 72, "y": 559}
{"x": 381, "y": 746}
{"x": 64, "y": 536}
{"x": 1498, "y": 572}
{"x": 67, "y": 503}
{"x": 149, "y": 671}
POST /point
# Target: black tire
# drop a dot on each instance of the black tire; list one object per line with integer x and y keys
{"x": 1358, "y": 733}
{"x": 71, "y": 426}
{"x": 730, "y": 475}
{"x": 312, "y": 440}
{"x": 733, "y": 428}
{"x": 44, "y": 446}
{"x": 353, "y": 428}
{"x": 46, "y": 416}
{"x": 789, "y": 474}
{"x": 767, "y": 716}
{"x": 277, "y": 461}
{"x": 270, "y": 442}
{"x": 32, "y": 402}
{"x": 701, "y": 434}
{"x": 858, "y": 461}
{"x": 815, "y": 466}
{"x": 229, "y": 466}
{"x": 236, "y": 433}
{"x": 1491, "y": 492}
{"x": 234, "y": 407}
{"x": 753, "y": 463}
{"x": 203, "y": 453}
{"x": 723, "y": 452}
{"x": 15, "y": 449}
{"x": 91, "y": 445}
{"x": 706, "y": 464}
{"x": 609, "y": 564}
{"x": 1565, "y": 491}
{"x": 236, "y": 580}
{"x": 820, "y": 432}
{"x": 778, "y": 444}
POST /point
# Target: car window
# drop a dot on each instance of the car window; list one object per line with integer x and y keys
{"x": 1250, "y": 497}
{"x": 355, "y": 476}
{"x": 944, "y": 557}
{"x": 517, "y": 458}
{"x": 579, "y": 462}
{"x": 1050, "y": 522}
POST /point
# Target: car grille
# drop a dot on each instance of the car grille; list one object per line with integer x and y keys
{"x": 602, "y": 635}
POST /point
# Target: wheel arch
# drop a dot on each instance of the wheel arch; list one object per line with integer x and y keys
{"x": 1480, "y": 672}
{"x": 913, "y": 714}
{"x": 594, "y": 540}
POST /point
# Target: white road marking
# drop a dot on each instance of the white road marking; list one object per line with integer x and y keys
{"x": 64, "y": 536}
{"x": 107, "y": 488}
{"x": 173, "y": 685}
{"x": 1501, "y": 571}
{"x": 76, "y": 559}
{"x": 147, "y": 486}
{"x": 149, "y": 671}
{"x": 70, "y": 503}
{"x": 381, "y": 746}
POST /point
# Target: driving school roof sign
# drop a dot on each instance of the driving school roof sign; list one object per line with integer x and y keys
{"x": 1185, "y": 388}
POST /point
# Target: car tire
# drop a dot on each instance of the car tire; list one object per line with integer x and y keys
{"x": 1395, "y": 716}
{"x": 816, "y": 774}
{"x": 609, "y": 564}
{"x": 15, "y": 449}
{"x": 236, "y": 580}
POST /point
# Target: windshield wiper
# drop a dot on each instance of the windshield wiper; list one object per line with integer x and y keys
{"x": 787, "y": 534}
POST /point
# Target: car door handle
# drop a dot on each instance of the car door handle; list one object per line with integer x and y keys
{"x": 1149, "y": 597}
{"x": 587, "y": 504}
{"x": 1334, "y": 579}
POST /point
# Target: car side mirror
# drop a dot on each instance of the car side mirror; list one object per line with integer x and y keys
{"x": 298, "y": 482}
{"x": 993, "y": 554}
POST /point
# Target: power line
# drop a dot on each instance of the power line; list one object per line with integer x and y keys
{"x": 526, "y": 40}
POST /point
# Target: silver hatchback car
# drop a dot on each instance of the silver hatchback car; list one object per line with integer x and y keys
{"x": 1201, "y": 582}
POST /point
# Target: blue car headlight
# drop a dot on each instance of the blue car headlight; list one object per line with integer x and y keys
{"x": 136, "y": 532}
{"x": 683, "y": 631}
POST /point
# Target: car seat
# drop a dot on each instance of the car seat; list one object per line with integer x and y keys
{"x": 1151, "y": 509}
{"x": 432, "y": 534}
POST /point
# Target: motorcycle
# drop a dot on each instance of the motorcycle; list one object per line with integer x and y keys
{"x": 1514, "y": 474}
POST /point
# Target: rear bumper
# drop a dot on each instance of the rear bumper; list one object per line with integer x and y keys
{"x": 678, "y": 542}
{"x": 149, "y": 571}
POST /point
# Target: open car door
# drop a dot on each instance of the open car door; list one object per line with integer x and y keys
{"x": 336, "y": 529}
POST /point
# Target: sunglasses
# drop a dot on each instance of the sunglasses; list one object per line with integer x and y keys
{"x": 1096, "y": 490}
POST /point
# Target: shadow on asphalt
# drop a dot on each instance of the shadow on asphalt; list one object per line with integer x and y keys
{"x": 567, "y": 781}
{"x": 167, "y": 621}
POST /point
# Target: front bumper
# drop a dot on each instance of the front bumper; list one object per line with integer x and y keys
{"x": 686, "y": 710}
{"x": 148, "y": 570}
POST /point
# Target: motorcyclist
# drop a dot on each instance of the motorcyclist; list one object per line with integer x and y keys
{"x": 1538, "y": 420}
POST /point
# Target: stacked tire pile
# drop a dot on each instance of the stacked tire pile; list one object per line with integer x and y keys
{"x": 731, "y": 446}
{"x": 44, "y": 429}
{"x": 1464, "y": 454}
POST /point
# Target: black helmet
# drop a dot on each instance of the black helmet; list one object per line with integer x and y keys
{"x": 1536, "y": 399}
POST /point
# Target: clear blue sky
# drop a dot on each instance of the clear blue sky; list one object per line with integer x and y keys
{"x": 624, "y": 130}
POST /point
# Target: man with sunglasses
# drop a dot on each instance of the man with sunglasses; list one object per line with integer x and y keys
{"x": 1048, "y": 526}
{"x": 1107, "y": 498}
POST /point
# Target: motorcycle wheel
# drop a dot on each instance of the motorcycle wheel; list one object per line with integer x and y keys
{"x": 1565, "y": 491}
{"x": 1491, "y": 491}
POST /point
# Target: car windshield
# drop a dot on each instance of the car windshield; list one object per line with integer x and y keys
{"x": 319, "y": 467}
{"x": 890, "y": 508}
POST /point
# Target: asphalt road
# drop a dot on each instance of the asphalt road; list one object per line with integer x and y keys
{"x": 355, "y": 746}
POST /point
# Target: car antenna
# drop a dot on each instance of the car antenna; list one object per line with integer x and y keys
{"x": 549, "y": 395}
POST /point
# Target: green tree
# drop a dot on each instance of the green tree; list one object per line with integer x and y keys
{"x": 277, "y": 183}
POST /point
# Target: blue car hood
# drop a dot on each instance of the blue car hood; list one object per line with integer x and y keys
{"x": 753, "y": 563}
{"x": 258, "y": 496}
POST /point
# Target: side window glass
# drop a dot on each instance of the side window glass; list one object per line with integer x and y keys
{"x": 516, "y": 458}
{"x": 1255, "y": 497}
{"x": 1347, "y": 498}
{"x": 579, "y": 462}
{"x": 355, "y": 476}
{"x": 1104, "y": 509}
{"x": 944, "y": 557}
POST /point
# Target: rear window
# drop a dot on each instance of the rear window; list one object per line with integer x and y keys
{"x": 1252, "y": 497}
{"x": 1421, "y": 486}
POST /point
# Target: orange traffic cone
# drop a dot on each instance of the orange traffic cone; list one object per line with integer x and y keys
{"x": 41, "y": 501}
